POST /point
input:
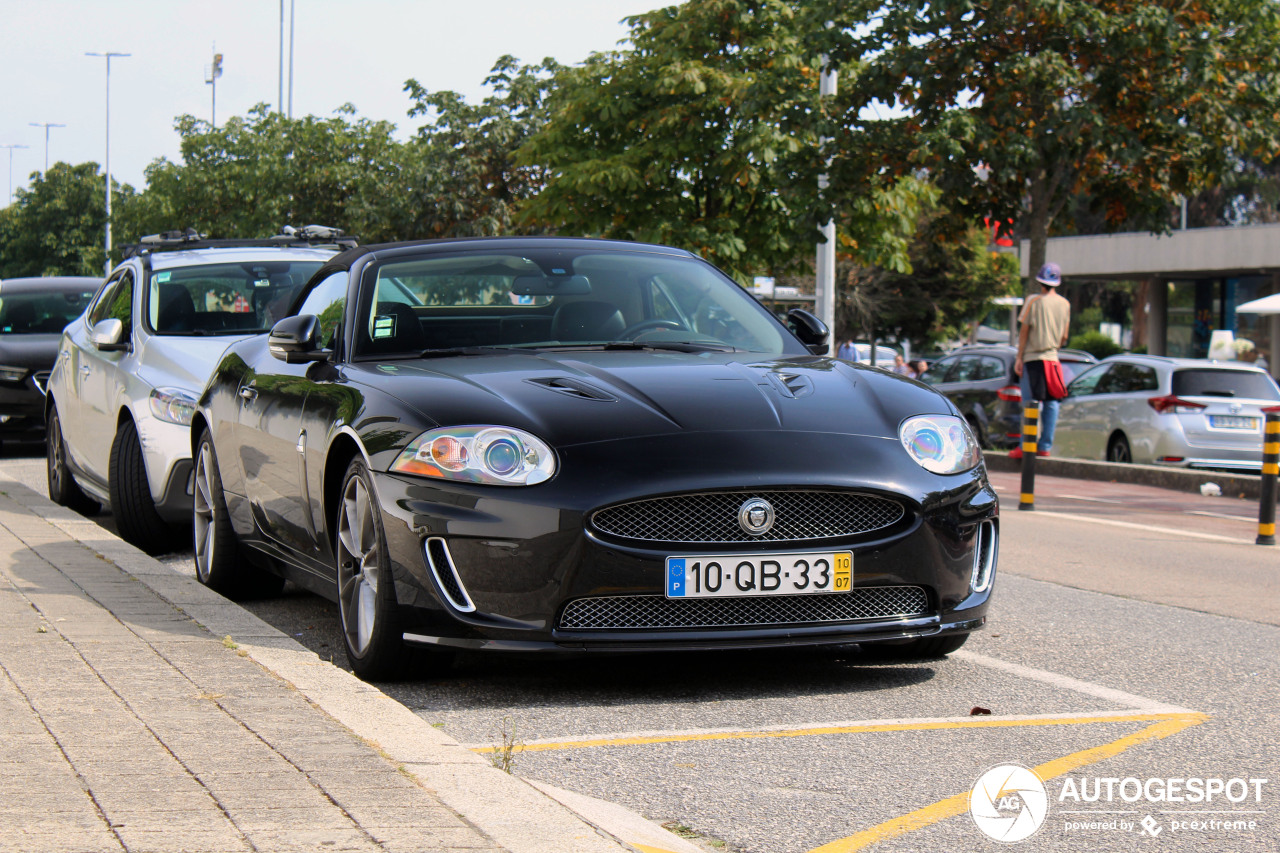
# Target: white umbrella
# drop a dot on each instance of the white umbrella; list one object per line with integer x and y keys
{"x": 1265, "y": 305}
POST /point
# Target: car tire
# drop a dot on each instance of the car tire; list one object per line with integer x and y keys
{"x": 979, "y": 433}
{"x": 62, "y": 486}
{"x": 137, "y": 521}
{"x": 368, "y": 613}
{"x": 922, "y": 648}
{"x": 220, "y": 563}
{"x": 1118, "y": 451}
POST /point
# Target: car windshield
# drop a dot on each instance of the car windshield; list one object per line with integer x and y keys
{"x": 1208, "y": 382}
{"x": 224, "y": 299}
{"x": 560, "y": 298}
{"x": 45, "y": 313}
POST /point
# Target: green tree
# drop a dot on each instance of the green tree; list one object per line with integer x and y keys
{"x": 950, "y": 284}
{"x": 255, "y": 174}
{"x": 56, "y": 226}
{"x": 463, "y": 179}
{"x": 701, "y": 135}
{"x": 1013, "y": 109}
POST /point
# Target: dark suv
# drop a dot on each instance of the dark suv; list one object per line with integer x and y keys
{"x": 981, "y": 382}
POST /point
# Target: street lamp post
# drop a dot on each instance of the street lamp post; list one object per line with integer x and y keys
{"x": 46, "y": 125}
{"x": 11, "y": 147}
{"x": 211, "y": 77}
{"x": 825, "y": 268}
{"x": 108, "y": 56}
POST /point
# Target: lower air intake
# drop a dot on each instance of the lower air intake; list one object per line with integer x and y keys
{"x": 655, "y": 612}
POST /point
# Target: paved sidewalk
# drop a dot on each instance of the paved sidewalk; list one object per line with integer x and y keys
{"x": 143, "y": 712}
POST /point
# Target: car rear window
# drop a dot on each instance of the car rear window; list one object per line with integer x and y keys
{"x": 1208, "y": 382}
{"x": 40, "y": 313}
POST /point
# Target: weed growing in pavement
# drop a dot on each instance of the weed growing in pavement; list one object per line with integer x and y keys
{"x": 230, "y": 643}
{"x": 503, "y": 756}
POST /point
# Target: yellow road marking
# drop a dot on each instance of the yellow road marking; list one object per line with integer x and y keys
{"x": 813, "y": 731}
{"x": 958, "y": 804}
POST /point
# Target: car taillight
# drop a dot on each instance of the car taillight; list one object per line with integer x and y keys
{"x": 1010, "y": 394}
{"x": 1174, "y": 405}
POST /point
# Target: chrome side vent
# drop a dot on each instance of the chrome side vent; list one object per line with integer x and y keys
{"x": 984, "y": 556}
{"x": 441, "y": 564}
{"x": 574, "y": 388}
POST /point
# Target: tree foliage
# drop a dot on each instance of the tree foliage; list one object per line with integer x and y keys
{"x": 254, "y": 174}
{"x": 467, "y": 181}
{"x": 697, "y": 136}
{"x": 57, "y": 225}
{"x": 950, "y": 284}
{"x": 1014, "y": 108}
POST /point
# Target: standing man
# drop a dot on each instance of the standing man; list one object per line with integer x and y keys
{"x": 1046, "y": 320}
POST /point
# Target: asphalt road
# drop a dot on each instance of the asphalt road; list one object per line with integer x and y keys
{"x": 1133, "y": 638}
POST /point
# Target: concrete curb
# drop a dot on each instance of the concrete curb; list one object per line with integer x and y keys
{"x": 520, "y": 816}
{"x": 1234, "y": 485}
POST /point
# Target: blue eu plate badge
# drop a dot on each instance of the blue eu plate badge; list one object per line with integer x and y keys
{"x": 675, "y": 578}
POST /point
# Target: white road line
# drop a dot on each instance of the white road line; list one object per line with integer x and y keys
{"x": 1221, "y": 515}
{"x": 1066, "y": 682}
{"x": 1083, "y": 498}
{"x": 1146, "y": 528}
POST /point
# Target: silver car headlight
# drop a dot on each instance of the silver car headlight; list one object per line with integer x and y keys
{"x": 943, "y": 444}
{"x": 499, "y": 456}
{"x": 173, "y": 405}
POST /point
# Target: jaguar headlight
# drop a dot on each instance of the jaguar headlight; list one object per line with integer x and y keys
{"x": 943, "y": 444}
{"x": 173, "y": 405}
{"x": 499, "y": 456}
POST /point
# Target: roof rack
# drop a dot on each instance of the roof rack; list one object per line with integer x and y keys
{"x": 177, "y": 241}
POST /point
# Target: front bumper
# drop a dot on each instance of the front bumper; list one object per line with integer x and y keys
{"x": 504, "y": 567}
{"x": 22, "y": 410}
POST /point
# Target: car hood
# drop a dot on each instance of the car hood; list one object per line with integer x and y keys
{"x": 35, "y": 352}
{"x": 569, "y": 398}
{"x": 181, "y": 362}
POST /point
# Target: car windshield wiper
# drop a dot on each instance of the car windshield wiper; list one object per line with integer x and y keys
{"x": 1212, "y": 393}
{"x": 622, "y": 346}
{"x": 446, "y": 352}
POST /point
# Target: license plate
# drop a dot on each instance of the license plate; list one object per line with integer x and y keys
{"x": 1233, "y": 422}
{"x": 738, "y": 575}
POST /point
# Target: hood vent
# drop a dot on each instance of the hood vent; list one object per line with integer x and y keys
{"x": 574, "y": 388}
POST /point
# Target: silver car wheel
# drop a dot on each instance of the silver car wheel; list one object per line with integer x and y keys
{"x": 359, "y": 558}
{"x": 56, "y": 455}
{"x": 203, "y": 521}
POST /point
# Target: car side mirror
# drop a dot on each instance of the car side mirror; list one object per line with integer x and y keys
{"x": 811, "y": 331}
{"x": 108, "y": 335}
{"x": 296, "y": 340}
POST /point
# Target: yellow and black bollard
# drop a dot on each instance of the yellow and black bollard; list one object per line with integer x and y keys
{"x": 1270, "y": 470}
{"x": 1030, "y": 439}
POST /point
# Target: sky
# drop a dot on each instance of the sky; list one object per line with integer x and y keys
{"x": 359, "y": 52}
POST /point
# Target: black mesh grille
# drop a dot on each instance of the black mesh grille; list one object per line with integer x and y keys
{"x": 712, "y": 517}
{"x": 630, "y": 612}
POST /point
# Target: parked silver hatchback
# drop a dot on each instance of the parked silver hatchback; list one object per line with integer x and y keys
{"x": 1180, "y": 412}
{"x": 130, "y": 369}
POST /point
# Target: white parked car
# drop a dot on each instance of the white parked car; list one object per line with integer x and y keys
{"x": 1180, "y": 412}
{"x": 130, "y": 369}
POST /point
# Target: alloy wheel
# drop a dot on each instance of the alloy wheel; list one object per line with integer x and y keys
{"x": 56, "y": 454}
{"x": 359, "y": 558}
{"x": 203, "y": 521}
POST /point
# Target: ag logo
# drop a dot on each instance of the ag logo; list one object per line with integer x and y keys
{"x": 1008, "y": 803}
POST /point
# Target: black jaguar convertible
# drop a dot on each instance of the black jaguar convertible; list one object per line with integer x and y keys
{"x": 545, "y": 444}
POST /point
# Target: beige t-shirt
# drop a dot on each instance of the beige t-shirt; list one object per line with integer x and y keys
{"x": 1049, "y": 316}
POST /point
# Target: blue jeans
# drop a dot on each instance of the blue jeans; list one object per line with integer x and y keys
{"x": 1048, "y": 415}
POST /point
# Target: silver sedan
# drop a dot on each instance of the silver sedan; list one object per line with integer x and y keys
{"x": 1180, "y": 412}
